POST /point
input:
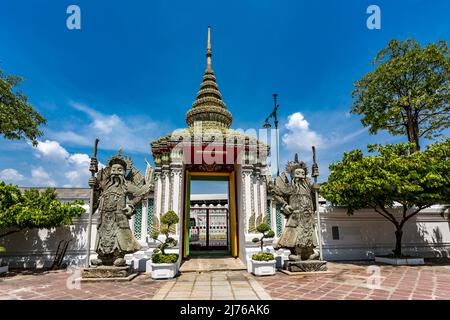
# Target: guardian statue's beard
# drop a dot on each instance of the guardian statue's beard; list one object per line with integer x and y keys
{"x": 298, "y": 182}
{"x": 116, "y": 180}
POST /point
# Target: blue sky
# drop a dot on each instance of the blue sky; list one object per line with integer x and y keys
{"x": 132, "y": 71}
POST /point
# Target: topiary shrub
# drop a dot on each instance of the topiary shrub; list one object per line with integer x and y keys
{"x": 264, "y": 229}
{"x": 164, "y": 258}
{"x": 169, "y": 219}
{"x": 263, "y": 257}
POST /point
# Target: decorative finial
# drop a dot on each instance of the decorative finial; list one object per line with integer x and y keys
{"x": 120, "y": 152}
{"x": 209, "y": 51}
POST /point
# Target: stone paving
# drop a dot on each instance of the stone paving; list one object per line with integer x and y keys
{"x": 215, "y": 285}
{"x": 361, "y": 281}
{"x": 347, "y": 281}
{"x": 59, "y": 285}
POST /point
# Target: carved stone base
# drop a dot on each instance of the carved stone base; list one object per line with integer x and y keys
{"x": 305, "y": 265}
{"x": 107, "y": 273}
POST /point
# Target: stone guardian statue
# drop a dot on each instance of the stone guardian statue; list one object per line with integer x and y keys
{"x": 297, "y": 200}
{"x": 117, "y": 189}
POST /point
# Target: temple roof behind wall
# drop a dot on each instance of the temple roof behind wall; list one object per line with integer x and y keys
{"x": 208, "y": 199}
{"x": 67, "y": 194}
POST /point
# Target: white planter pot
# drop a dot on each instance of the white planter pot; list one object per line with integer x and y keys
{"x": 263, "y": 268}
{"x": 164, "y": 270}
{"x": 4, "y": 269}
{"x": 398, "y": 261}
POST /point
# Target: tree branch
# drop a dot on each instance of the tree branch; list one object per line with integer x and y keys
{"x": 436, "y": 126}
{"x": 9, "y": 232}
{"x": 387, "y": 215}
{"x": 420, "y": 208}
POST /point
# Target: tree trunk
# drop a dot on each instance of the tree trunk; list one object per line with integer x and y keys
{"x": 412, "y": 130}
{"x": 398, "y": 243}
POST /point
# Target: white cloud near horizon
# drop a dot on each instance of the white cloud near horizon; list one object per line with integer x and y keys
{"x": 54, "y": 166}
{"x": 11, "y": 175}
{"x": 40, "y": 177}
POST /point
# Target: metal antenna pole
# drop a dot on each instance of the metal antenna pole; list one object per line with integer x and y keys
{"x": 315, "y": 174}
{"x": 276, "y": 131}
{"x": 93, "y": 169}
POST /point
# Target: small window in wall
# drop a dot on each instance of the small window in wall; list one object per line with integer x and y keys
{"x": 335, "y": 232}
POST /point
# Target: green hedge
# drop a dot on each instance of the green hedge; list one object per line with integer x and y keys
{"x": 263, "y": 257}
{"x": 164, "y": 258}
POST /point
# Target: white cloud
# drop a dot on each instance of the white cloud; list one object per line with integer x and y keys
{"x": 79, "y": 173}
{"x": 80, "y": 159}
{"x": 51, "y": 150}
{"x": 106, "y": 124}
{"x": 131, "y": 133}
{"x": 70, "y": 136}
{"x": 299, "y": 135}
{"x": 55, "y": 167}
{"x": 40, "y": 177}
{"x": 11, "y": 175}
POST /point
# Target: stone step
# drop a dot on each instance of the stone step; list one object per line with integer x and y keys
{"x": 207, "y": 264}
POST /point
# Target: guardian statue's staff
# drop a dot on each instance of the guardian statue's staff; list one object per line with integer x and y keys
{"x": 93, "y": 168}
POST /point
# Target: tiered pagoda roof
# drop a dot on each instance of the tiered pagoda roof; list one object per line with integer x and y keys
{"x": 208, "y": 107}
{"x": 208, "y": 112}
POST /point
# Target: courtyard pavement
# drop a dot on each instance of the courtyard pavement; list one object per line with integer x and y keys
{"x": 60, "y": 285}
{"x": 343, "y": 281}
{"x": 362, "y": 281}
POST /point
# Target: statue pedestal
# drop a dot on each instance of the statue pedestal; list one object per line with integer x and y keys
{"x": 305, "y": 265}
{"x": 108, "y": 273}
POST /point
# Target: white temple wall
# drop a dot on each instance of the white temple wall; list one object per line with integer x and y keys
{"x": 37, "y": 248}
{"x": 366, "y": 234}
{"x": 361, "y": 237}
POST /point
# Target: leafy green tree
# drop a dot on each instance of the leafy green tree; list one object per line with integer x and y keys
{"x": 33, "y": 209}
{"x": 18, "y": 119}
{"x": 391, "y": 180}
{"x": 408, "y": 93}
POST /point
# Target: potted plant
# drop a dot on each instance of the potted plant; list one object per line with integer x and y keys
{"x": 3, "y": 266}
{"x": 263, "y": 263}
{"x": 165, "y": 265}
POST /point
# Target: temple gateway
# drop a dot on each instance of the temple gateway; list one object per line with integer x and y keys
{"x": 209, "y": 149}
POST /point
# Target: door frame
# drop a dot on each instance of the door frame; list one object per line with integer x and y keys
{"x": 213, "y": 176}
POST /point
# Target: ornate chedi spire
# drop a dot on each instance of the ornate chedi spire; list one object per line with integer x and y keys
{"x": 208, "y": 106}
